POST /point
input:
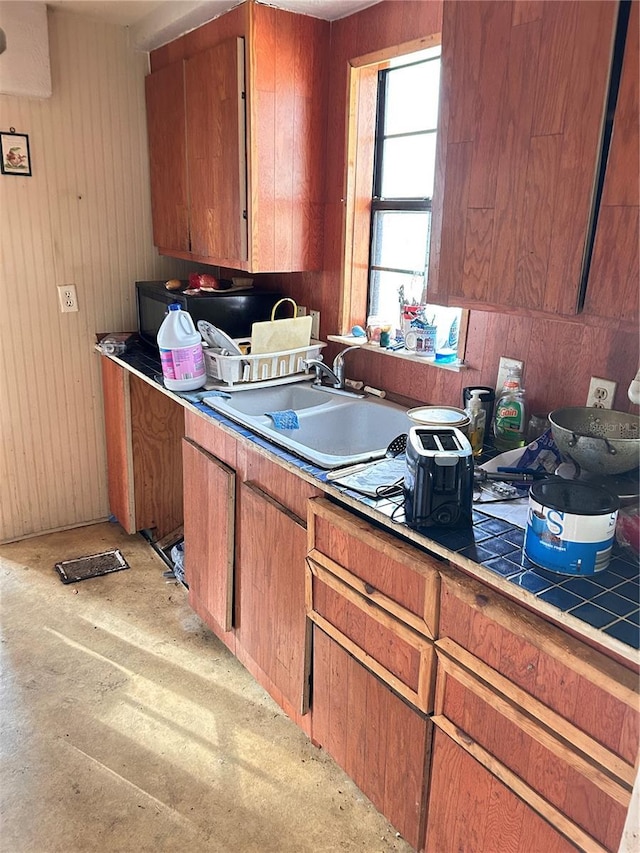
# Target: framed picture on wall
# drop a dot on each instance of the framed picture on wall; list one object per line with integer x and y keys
{"x": 16, "y": 159}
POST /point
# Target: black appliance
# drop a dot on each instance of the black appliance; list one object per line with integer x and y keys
{"x": 438, "y": 481}
{"x": 232, "y": 311}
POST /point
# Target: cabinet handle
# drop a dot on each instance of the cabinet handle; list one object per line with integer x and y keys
{"x": 369, "y": 589}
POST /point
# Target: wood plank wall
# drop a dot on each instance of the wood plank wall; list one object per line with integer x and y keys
{"x": 83, "y": 218}
{"x": 560, "y": 356}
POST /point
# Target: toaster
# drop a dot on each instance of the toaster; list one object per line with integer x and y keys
{"x": 438, "y": 480}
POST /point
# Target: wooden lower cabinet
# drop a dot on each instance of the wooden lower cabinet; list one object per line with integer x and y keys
{"x": 552, "y": 720}
{"x": 398, "y": 655}
{"x": 379, "y": 740}
{"x": 374, "y": 604}
{"x": 471, "y": 811}
{"x": 272, "y": 629}
{"x": 144, "y": 428}
{"x": 209, "y": 535}
{"x": 597, "y": 697}
{"x": 529, "y": 749}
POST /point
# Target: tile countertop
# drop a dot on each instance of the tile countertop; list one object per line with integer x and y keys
{"x": 603, "y": 608}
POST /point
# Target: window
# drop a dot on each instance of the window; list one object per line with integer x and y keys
{"x": 391, "y": 140}
{"x": 403, "y": 180}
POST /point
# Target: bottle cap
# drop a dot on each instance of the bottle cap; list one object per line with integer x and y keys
{"x": 175, "y": 306}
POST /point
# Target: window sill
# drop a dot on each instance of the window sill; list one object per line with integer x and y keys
{"x": 407, "y": 355}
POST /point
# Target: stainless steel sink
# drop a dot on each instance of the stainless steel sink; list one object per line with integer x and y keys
{"x": 334, "y": 430}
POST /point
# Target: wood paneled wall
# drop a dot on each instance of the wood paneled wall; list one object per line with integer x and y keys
{"x": 560, "y": 356}
{"x": 83, "y": 218}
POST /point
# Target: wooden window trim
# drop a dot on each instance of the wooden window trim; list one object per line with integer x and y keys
{"x": 360, "y": 146}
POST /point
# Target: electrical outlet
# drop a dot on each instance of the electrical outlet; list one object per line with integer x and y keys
{"x": 315, "y": 325}
{"x": 68, "y": 298}
{"x": 601, "y": 393}
{"x": 503, "y": 370}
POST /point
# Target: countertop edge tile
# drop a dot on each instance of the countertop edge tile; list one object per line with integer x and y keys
{"x": 359, "y": 503}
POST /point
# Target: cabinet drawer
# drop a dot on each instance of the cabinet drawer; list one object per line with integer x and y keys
{"x": 209, "y": 435}
{"x": 394, "y": 652}
{"x": 597, "y": 695}
{"x": 397, "y": 577}
{"x": 529, "y": 748}
{"x": 285, "y": 487}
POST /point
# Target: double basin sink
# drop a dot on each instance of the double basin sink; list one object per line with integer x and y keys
{"x": 333, "y": 429}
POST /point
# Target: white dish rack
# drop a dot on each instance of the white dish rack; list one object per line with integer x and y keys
{"x": 236, "y": 371}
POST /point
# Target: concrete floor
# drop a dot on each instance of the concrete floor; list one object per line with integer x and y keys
{"x": 126, "y": 726}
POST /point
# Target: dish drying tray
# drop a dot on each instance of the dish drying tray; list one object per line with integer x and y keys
{"x": 244, "y": 371}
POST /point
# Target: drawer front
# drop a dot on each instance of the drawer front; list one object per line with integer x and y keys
{"x": 397, "y": 576}
{"x": 206, "y": 432}
{"x": 285, "y": 487}
{"x": 565, "y": 786}
{"x": 599, "y": 696}
{"x": 394, "y": 652}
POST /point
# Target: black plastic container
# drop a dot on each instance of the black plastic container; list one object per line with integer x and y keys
{"x": 487, "y": 401}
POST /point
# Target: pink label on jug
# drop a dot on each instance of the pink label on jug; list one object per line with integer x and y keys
{"x": 182, "y": 363}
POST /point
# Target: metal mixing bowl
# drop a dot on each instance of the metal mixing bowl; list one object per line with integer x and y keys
{"x": 600, "y": 441}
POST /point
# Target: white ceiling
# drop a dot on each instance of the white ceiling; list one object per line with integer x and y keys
{"x": 154, "y": 22}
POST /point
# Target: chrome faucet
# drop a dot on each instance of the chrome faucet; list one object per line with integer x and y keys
{"x": 338, "y": 366}
{"x": 335, "y": 375}
{"x": 322, "y": 369}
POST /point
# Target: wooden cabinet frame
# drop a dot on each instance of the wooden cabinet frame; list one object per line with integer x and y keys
{"x": 284, "y": 111}
{"x": 362, "y": 531}
{"x": 537, "y": 723}
{"x": 144, "y": 428}
{"x": 421, "y": 698}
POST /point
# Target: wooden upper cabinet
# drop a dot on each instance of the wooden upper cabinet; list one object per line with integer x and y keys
{"x": 164, "y": 91}
{"x": 522, "y": 105}
{"x": 216, "y": 161}
{"x": 612, "y": 288}
{"x": 254, "y": 165}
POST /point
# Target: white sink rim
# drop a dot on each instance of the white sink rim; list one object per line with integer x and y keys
{"x": 311, "y": 420}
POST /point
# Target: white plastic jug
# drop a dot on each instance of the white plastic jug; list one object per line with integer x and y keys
{"x": 181, "y": 351}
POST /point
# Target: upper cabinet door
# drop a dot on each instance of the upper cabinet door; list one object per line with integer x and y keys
{"x": 216, "y": 152}
{"x": 254, "y": 154}
{"x": 522, "y": 104}
{"x": 612, "y": 287}
{"x": 167, "y": 157}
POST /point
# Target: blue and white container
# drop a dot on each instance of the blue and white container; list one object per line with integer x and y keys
{"x": 570, "y": 526}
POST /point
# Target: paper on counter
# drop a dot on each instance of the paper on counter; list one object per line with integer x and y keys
{"x": 515, "y": 511}
{"x": 383, "y": 472}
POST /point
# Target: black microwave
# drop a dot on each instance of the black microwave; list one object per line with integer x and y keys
{"x": 232, "y": 311}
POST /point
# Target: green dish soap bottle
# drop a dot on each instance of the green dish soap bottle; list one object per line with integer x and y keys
{"x": 510, "y": 419}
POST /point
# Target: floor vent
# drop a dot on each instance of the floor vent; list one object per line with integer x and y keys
{"x": 81, "y": 568}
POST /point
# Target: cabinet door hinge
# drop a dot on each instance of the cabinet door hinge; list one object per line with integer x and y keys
{"x": 243, "y": 95}
{"x": 244, "y": 214}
